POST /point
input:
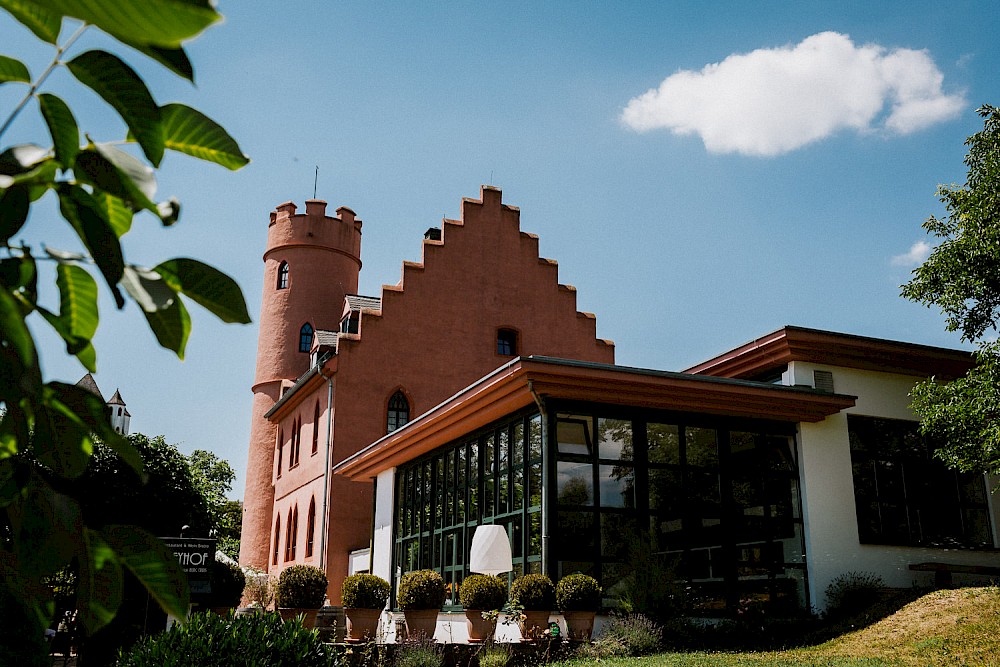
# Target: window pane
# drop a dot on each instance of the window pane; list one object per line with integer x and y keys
{"x": 702, "y": 447}
{"x": 615, "y": 439}
{"x": 575, "y": 483}
{"x": 617, "y": 486}
{"x": 664, "y": 443}
{"x": 573, "y": 433}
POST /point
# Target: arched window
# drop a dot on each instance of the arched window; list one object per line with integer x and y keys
{"x": 315, "y": 447}
{"x": 293, "y": 454}
{"x": 398, "y": 413}
{"x": 281, "y": 449}
{"x": 291, "y": 533}
{"x": 305, "y": 337}
{"x": 507, "y": 342}
{"x": 283, "y": 275}
{"x": 277, "y": 536}
{"x": 310, "y": 527}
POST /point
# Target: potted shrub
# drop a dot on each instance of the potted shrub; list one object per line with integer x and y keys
{"x": 535, "y": 596}
{"x": 364, "y": 597}
{"x": 578, "y": 597}
{"x": 301, "y": 590}
{"x": 482, "y": 595}
{"x": 228, "y": 582}
{"x": 421, "y": 595}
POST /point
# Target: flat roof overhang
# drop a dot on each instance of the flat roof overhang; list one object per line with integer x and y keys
{"x": 788, "y": 344}
{"x": 515, "y": 385}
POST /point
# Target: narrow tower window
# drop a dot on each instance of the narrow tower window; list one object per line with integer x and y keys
{"x": 277, "y": 536}
{"x": 283, "y": 275}
{"x": 507, "y": 342}
{"x": 281, "y": 449}
{"x": 305, "y": 337}
{"x": 315, "y": 447}
{"x": 310, "y": 527}
{"x": 399, "y": 412}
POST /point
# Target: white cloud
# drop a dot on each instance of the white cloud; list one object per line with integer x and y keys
{"x": 917, "y": 254}
{"x": 772, "y": 101}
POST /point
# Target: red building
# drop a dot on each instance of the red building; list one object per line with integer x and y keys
{"x": 336, "y": 371}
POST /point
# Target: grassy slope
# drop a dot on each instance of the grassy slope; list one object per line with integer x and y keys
{"x": 950, "y": 627}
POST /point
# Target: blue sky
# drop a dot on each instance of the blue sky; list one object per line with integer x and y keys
{"x": 704, "y": 173}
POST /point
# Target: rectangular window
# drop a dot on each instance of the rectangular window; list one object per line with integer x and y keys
{"x": 905, "y": 496}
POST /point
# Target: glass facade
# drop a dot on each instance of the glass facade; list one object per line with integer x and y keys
{"x": 717, "y": 499}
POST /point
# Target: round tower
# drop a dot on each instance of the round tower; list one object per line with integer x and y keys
{"x": 311, "y": 262}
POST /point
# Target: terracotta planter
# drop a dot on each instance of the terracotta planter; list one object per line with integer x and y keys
{"x": 291, "y": 613}
{"x": 579, "y": 624}
{"x": 362, "y": 624}
{"x": 478, "y": 627}
{"x": 420, "y": 623}
{"x": 534, "y": 624}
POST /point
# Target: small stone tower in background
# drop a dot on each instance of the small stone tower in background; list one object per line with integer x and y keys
{"x": 311, "y": 263}
{"x": 118, "y": 414}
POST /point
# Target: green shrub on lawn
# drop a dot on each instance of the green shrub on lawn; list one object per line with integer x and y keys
{"x": 210, "y": 640}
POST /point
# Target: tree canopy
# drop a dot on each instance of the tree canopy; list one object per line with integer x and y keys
{"x": 962, "y": 278}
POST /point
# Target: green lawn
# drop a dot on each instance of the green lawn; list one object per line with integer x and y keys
{"x": 949, "y": 627}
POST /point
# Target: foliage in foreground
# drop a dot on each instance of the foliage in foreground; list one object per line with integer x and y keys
{"x": 961, "y": 277}
{"x": 210, "y": 640}
{"x": 98, "y": 189}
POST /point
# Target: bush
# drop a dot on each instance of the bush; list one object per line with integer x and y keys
{"x": 853, "y": 592}
{"x": 365, "y": 591}
{"x": 423, "y": 653}
{"x": 578, "y": 592}
{"x": 625, "y": 636}
{"x": 533, "y": 592}
{"x": 209, "y": 640}
{"x": 494, "y": 655}
{"x": 483, "y": 591}
{"x": 228, "y": 582}
{"x": 259, "y": 588}
{"x": 301, "y": 587}
{"x": 423, "y": 589}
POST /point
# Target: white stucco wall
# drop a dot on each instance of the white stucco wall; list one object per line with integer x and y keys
{"x": 382, "y": 537}
{"x": 831, "y": 527}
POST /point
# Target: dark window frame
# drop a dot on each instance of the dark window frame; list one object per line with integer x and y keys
{"x": 282, "y": 276}
{"x": 507, "y": 342}
{"x": 306, "y": 332}
{"x": 397, "y": 414}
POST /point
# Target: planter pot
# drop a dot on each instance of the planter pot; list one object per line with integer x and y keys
{"x": 362, "y": 624}
{"x": 291, "y": 613}
{"x": 478, "y": 627}
{"x": 420, "y": 623}
{"x": 579, "y": 624}
{"x": 534, "y": 624}
{"x": 246, "y": 611}
{"x": 221, "y": 611}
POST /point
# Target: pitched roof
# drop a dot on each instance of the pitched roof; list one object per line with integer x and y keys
{"x": 116, "y": 399}
{"x": 361, "y": 302}
{"x": 87, "y": 382}
{"x": 326, "y": 338}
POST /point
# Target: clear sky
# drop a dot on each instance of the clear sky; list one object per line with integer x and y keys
{"x": 704, "y": 173}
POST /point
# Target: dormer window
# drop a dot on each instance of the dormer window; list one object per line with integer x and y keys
{"x": 283, "y": 276}
{"x": 507, "y": 342}
{"x": 349, "y": 324}
{"x": 305, "y": 338}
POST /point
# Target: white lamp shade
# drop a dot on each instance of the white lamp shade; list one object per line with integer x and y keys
{"x": 490, "y": 553}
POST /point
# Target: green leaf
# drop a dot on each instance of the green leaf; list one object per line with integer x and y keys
{"x": 189, "y": 131}
{"x": 162, "y": 22}
{"x": 174, "y": 59}
{"x": 61, "y": 442}
{"x": 43, "y": 22}
{"x": 149, "y": 289}
{"x": 13, "y": 331}
{"x": 14, "y": 207}
{"x": 171, "y": 326}
{"x": 21, "y": 159}
{"x": 99, "y": 588}
{"x": 13, "y": 70}
{"x": 152, "y": 563}
{"x": 82, "y": 349}
{"x": 207, "y": 286}
{"x": 86, "y": 217}
{"x": 77, "y": 302}
{"x": 117, "y": 213}
{"x": 20, "y": 276}
{"x": 45, "y": 526}
{"x": 119, "y": 174}
{"x": 119, "y": 85}
{"x": 62, "y": 127}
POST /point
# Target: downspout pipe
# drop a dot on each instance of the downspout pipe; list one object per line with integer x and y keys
{"x": 326, "y": 467}
{"x": 545, "y": 474}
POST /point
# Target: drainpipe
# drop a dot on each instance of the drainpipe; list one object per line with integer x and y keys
{"x": 326, "y": 466}
{"x": 545, "y": 476}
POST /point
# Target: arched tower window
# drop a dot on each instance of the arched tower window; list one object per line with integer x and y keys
{"x": 315, "y": 446}
{"x": 277, "y": 536}
{"x": 305, "y": 337}
{"x": 507, "y": 342}
{"x": 292, "y": 533}
{"x": 310, "y": 527}
{"x": 398, "y": 413}
{"x": 283, "y": 275}
{"x": 281, "y": 449}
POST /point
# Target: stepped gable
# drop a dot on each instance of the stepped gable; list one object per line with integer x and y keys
{"x": 486, "y": 261}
